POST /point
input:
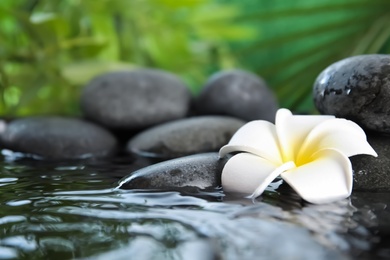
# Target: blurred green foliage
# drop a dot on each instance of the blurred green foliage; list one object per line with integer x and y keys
{"x": 50, "y": 49}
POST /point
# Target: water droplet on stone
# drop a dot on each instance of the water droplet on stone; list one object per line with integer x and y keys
{"x": 362, "y": 172}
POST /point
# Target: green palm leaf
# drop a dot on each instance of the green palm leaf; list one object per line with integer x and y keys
{"x": 299, "y": 39}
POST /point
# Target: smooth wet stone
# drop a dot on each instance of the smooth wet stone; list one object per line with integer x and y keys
{"x": 374, "y": 212}
{"x": 200, "y": 170}
{"x": 357, "y": 88}
{"x": 147, "y": 248}
{"x": 135, "y": 99}
{"x": 184, "y": 137}
{"x": 373, "y": 173}
{"x": 239, "y": 94}
{"x": 58, "y": 138}
{"x": 233, "y": 241}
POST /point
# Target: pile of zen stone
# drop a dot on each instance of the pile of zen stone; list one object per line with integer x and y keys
{"x": 152, "y": 114}
{"x": 358, "y": 88}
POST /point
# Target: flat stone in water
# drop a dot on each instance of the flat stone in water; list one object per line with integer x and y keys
{"x": 58, "y": 138}
{"x": 357, "y": 88}
{"x": 239, "y": 94}
{"x": 148, "y": 248}
{"x": 184, "y": 137}
{"x": 135, "y": 99}
{"x": 277, "y": 241}
{"x": 373, "y": 173}
{"x": 374, "y": 213}
{"x": 200, "y": 170}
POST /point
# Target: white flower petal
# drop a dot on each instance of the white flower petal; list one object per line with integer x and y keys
{"x": 257, "y": 137}
{"x": 338, "y": 134}
{"x": 292, "y": 131}
{"x": 244, "y": 172}
{"x": 260, "y": 189}
{"x": 326, "y": 179}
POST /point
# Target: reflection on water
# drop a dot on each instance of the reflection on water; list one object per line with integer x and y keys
{"x": 73, "y": 210}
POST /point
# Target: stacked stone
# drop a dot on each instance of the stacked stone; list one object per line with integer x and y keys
{"x": 358, "y": 88}
{"x": 151, "y": 109}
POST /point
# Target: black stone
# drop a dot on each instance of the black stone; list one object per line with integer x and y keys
{"x": 200, "y": 170}
{"x": 135, "y": 99}
{"x": 58, "y": 138}
{"x": 357, "y": 88}
{"x": 239, "y": 94}
{"x": 185, "y": 136}
{"x": 146, "y": 247}
{"x": 374, "y": 211}
{"x": 373, "y": 173}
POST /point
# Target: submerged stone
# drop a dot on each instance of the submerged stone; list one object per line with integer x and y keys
{"x": 58, "y": 138}
{"x": 200, "y": 170}
{"x": 239, "y": 94}
{"x": 373, "y": 173}
{"x": 221, "y": 237}
{"x": 148, "y": 248}
{"x": 135, "y": 99}
{"x": 185, "y": 137}
{"x": 374, "y": 212}
{"x": 357, "y": 88}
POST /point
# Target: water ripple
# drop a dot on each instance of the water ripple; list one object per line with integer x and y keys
{"x": 73, "y": 211}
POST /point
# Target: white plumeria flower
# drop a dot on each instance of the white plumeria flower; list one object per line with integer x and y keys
{"x": 310, "y": 153}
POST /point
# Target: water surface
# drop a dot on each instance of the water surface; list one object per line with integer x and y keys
{"x": 72, "y": 210}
